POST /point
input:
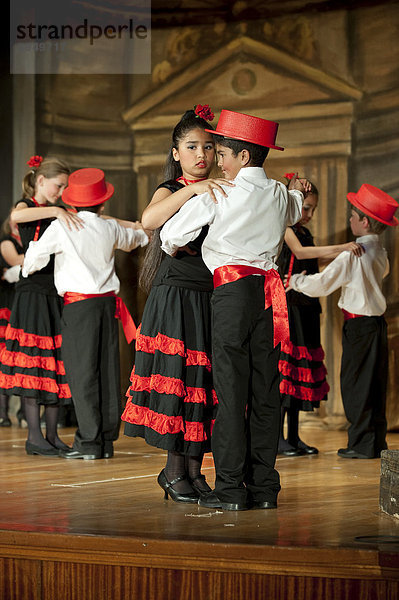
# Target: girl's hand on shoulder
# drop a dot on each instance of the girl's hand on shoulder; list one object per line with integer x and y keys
{"x": 355, "y": 248}
{"x": 71, "y": 220}
{"x": 209, "y": 185}
{"x": 302, "y": 185}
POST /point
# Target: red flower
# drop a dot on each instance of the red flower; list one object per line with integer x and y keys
{"x": 35, "y": 161}
{"x": 289, "y": 176}
{"x": 204, "y": 112}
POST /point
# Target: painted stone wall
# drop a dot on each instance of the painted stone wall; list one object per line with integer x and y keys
{"x": 330, "y": 79}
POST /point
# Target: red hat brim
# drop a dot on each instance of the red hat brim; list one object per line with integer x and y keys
{"x": 352, "y": 197}
{"x": 242, "y": 139}
{"x": 66, "y": 197}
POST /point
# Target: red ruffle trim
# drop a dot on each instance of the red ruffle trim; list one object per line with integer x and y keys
{"x": 172, "y": 346}
{"x": 308, "y": 375}
{"x": 5, "y": 314}
{"x": 310, "y": 394}
{"x": 299, "y": 352}
{"x": 169, "y": 385}
{"x": 30, "y": 382}
{"x": 3, "y": 329}
{"x": 163, "y": 424}
{"x": 19, "y": 359}
{"x": 43, "y": 342}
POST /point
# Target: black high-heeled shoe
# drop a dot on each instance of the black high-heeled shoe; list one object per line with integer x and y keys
{"x": 200, "y": 485}
{"x": 5, "y": 422}
{"x": 167, "y": 486}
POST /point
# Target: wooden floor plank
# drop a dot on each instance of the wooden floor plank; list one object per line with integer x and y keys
{"x": 326, "y": 501}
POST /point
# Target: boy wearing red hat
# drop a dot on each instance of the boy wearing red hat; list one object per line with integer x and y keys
{"x": 364, "y": 366}
{"x": 84, "y": 274}
{"x": 249, "y": 311}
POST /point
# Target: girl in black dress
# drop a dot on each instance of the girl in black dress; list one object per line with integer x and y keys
{"x": 171, "y": 402}
{"x": 11, "y": 255}
{"x": 30, "y": 362}
{"x": 302, "y": 371}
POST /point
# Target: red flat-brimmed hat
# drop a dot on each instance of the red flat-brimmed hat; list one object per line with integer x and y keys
{"x": 87, "y": 187}
{"x": 375, "y": 203}
{"x": 246, "y": 128}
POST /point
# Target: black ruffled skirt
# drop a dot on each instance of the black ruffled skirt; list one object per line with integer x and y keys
{"x": 30, "y": 361}
{"x": 171, "y": 402}
{"x": 303, "y": 381}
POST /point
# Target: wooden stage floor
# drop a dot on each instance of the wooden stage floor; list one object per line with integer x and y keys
{"x": 101, "y": 529}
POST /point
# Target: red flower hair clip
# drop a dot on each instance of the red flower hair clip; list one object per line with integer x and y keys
{"x": 35, "y": 161}
{"x": 204, "y": 112}
{"x": 289, "y": 176}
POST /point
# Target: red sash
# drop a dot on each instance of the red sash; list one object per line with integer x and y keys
{"x": 121, "y": 312}
{"x": 274, "y": 294}
{"x": 349, "y": 315}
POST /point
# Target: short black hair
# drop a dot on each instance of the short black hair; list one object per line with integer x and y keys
{"x": 94, "y": 209}
{"x": 258, "y": 154}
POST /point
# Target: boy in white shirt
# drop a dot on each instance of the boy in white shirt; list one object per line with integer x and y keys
{"x": 84, "y": 274}
{"x": 249, "y": 311}
{"x": 364, "y": 366}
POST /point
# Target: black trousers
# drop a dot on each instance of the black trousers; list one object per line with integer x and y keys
{"x": 90, "y": 351}
{"x": 246, "y": 380}
{"x": 364, "y": 374}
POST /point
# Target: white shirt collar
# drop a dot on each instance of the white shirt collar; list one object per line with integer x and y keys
{"x": 370, "y": 237}
{"x": 252, "y": 173}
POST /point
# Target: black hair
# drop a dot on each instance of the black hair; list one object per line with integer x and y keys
{"x": 258, "y": 154}
{"x": 187, "y": 123}
{"x": 374, "y": 225}
{"x": 93, "y": 209}
{"x": 154, "y": 255}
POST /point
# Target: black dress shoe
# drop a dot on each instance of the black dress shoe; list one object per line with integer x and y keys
{"x": 108, "y": 450}
{"x": 307, "y": 449}
{"x": 348, "y": 453}
{"x": 33, "y": 449}
{"x": 211, "y": 500}
{"x": 77, "y": 454}
{"x": 291, "y": 452}
{"x": 167, "y": 486}
{"x": 264, "y": 505}
{"x": 5, "y": 422}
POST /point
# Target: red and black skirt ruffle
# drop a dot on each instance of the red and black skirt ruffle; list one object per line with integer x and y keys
{"x": 7, "y": 293}
{"x": 30, "y": 359}
{"x": 303, "y": 381}
{"x": 171, "y": 402}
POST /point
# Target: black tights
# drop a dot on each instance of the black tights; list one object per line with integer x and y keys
{"x": 35, "y": 435}
{"x": 189, "y": 467}
{"x": 292, "y": 440}
{"x": 3, "y": 406}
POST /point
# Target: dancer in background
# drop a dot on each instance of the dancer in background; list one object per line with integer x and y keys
{"x": 303, "y": 373}
{"x": 171, "y": 402}
{"x": 11, "y": 258}
{"x": 364, "y": 366}
{"x": 84, "y": 275}
{"x": 30, "y": 362}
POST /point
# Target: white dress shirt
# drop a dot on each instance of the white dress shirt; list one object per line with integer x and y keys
{"x": 84, "y": 259}
{"x": 245, "y": 228}
{"x": 360, "y": 278}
